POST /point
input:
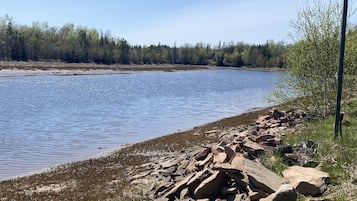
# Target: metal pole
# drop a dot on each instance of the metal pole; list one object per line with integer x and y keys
{"x": 340, "y": 69}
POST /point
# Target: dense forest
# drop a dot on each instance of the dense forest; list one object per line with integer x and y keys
{"x": 78, "y": 44}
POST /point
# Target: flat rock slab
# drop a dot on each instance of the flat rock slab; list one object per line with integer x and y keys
{"x": 211, "y": 185}
{"x": 261, "y": 177}
{"x": 307, "y": 181}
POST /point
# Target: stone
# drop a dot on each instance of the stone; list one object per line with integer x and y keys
{"x": 184, "y": 193}
{"x": 207, "y": 160}
{"x": 168, "y": 171}
{"x": 235, "y": 147}
{"x": 285, "y": 193}
{"x": 252, "y": 148}
{"x": 191, "y": 167}
{"x": 211, "y": 185}
{"x": 263, "y": 137}
{"x": 162, "y": 189}
{"x": 197, "y": 179}
{"x": 236, "y": 197}
{"x": 236, "y": 166}
{"x": 285, "y": 149}
{"x": 261, "y": 177}
{"x": 229, "y": 190}
{"x": 162, "y": 199}
{"x": 273, "y": 142}
{"x": 169, "y": 163}
{"x": 276, "y": 114}
{"x": 263, "y": 118}
{"x": 291, "y": 159}
{"x": 255, "y": 193}
{"x": 307, "y": 181}
{"x": 203, "y": 154}
{"x": 220, "y": 157}
{"x": 176, "y": 190}
{"x": 230, "y": 153}
{"x": 182, "y": 167}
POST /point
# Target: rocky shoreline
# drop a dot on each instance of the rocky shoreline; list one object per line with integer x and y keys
{"x": 216, "y": 161}
{"x": 230, "y": 169}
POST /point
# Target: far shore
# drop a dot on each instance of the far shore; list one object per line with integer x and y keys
{"x": 93, "y": 177}
{"x": 31, "y": 68}
{"x": 92, "y": 67}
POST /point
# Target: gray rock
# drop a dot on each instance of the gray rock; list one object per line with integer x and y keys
{"x": 285, "y": 149}
{"x": 169, "y": 163}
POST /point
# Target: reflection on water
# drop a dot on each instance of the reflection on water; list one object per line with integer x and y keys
{"x": 46, "y": 120}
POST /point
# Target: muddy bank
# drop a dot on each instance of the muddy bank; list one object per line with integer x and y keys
{"x": 108, "y": 177}
{"x": 91, "y": 67}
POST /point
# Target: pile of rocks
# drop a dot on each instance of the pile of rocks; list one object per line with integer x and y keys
{"x": 230, "y": 170}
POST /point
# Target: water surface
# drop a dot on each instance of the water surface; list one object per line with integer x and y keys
{"x": 46, "y": 120}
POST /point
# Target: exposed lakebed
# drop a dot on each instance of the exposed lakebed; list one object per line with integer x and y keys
{"x": 46, "y": 120}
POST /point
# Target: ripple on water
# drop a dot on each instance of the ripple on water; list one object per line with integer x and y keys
{"x": 46, "y": 120}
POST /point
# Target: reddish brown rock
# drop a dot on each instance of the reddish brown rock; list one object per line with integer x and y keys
{"x": 252, "y": 148}
{"x": 211, "y": 185}
{"x": 204, "y": 162}
{"x": 220, "y": 157}
{"x": 261, "y": 177}
{"x": 256, "y": 194}
{"x": 230, "y": 153}
{"x": 176, "y": 190}
{"x": 307, "y": 181}
{"x": 236, "y": 166}
{"x": 285, "y": 193}
{"x": 197, "y": 179}
{"x": 203, "y": 154}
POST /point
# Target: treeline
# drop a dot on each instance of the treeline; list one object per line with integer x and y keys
{"x": 77, "y": 44}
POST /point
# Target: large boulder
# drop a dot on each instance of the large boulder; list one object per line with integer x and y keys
{"x": 307, "y": 181}
{"x": 261, "y": 177}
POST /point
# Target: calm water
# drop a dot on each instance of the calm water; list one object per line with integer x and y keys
{"x": 46, "y": 120}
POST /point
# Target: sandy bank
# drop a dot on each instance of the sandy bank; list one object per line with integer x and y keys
{"x": 11, "y": 68}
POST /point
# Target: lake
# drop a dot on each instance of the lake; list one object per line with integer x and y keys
{"x": 47, "y": 120}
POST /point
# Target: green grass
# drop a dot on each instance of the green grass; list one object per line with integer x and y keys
{"x": 338, "y": 157}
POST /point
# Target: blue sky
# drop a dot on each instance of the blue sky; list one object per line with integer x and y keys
{"x": 166, "y": 21}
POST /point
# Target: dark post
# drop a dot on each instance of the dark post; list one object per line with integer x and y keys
{"x": 340, "y": 69}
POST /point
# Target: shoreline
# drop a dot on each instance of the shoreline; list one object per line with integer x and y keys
{"x": 89, "y": 68}
{"x": 29, "y": 68}
{"x": 118, "y": 161}
{"x": 113, "y": 150}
